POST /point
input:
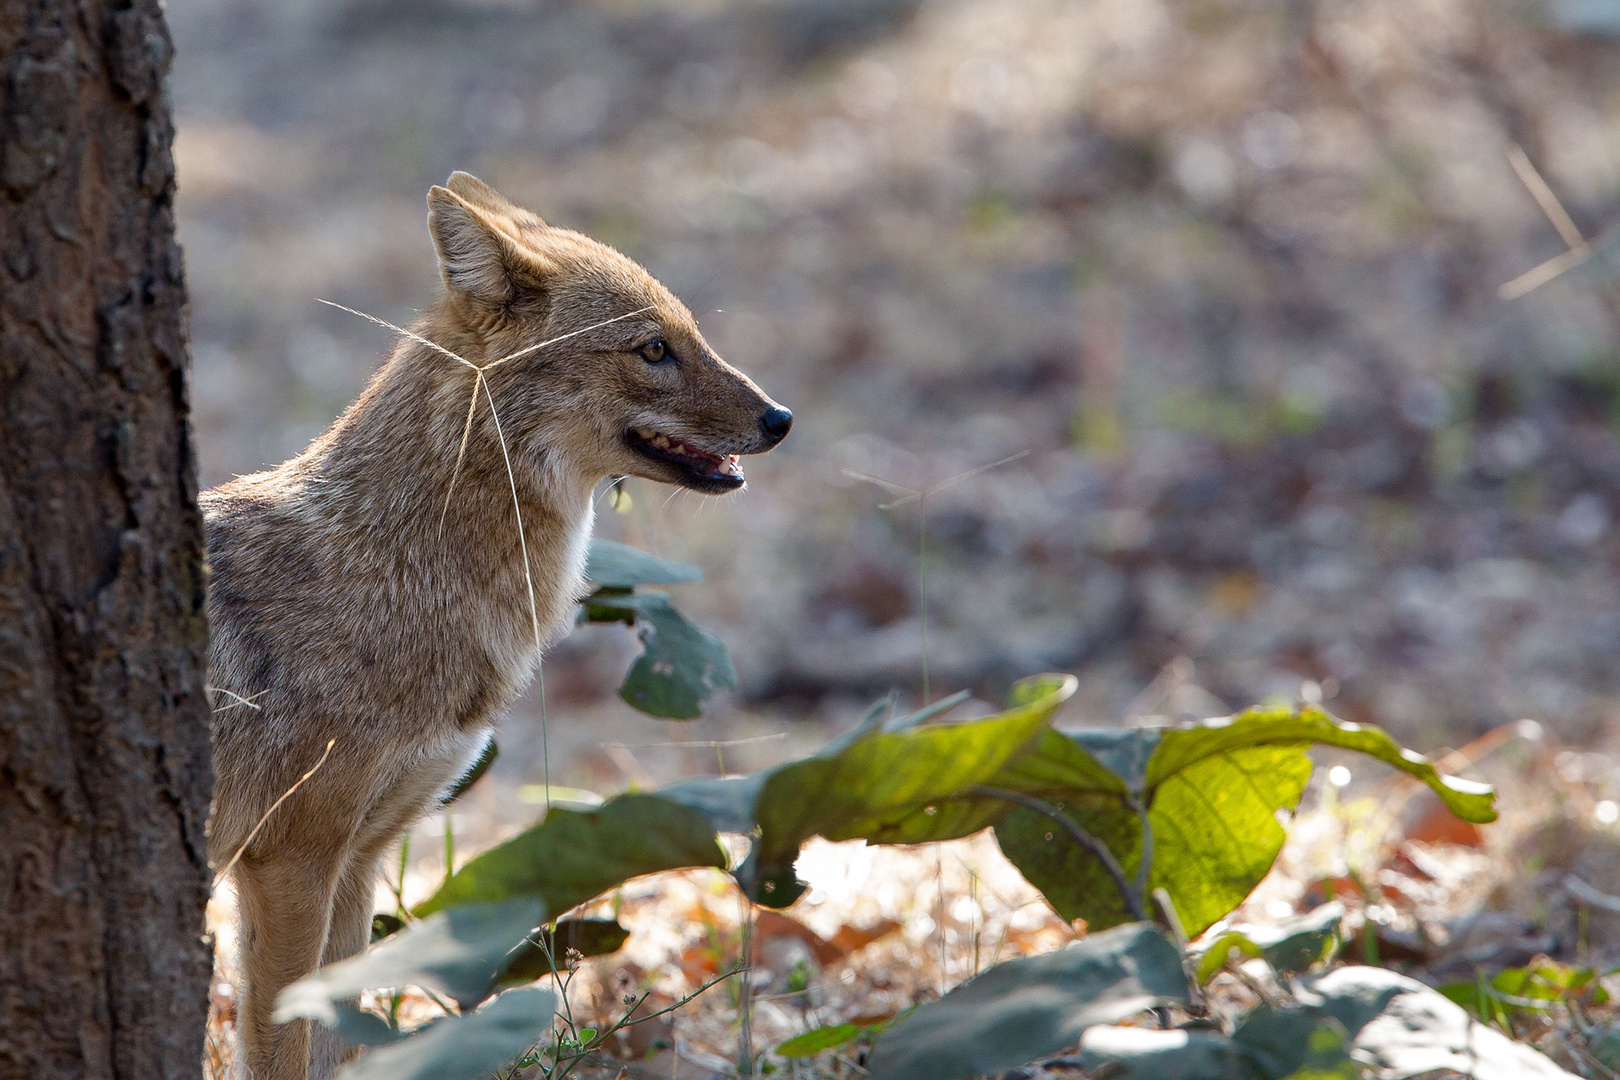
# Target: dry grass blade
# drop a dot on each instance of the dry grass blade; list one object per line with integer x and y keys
{"x": 707, "y": 744}
{"x": 285, "y": 795}
{"x": 879, "y": 481}
{"x": 461, "y": 453}
{"x": 517, "y": 508}
{"x": 1542, "y": 192}
{"x": 1580, "y": 249}
{"x": 418, "y": 338}
{"x": 240, "y": 700}
{"x": 1531, "y": 280}
{"x": 914, "y": 496}
{"x": 565, "y": 337}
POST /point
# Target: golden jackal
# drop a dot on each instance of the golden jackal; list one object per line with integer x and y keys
{"x": 355, "y": 598}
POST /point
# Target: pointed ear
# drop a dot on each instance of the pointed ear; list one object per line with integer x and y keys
{"x": 481, "y": 195}
{"x": 478, "y": 257}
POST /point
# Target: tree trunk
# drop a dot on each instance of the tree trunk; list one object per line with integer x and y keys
{"x": 104, "y": 755}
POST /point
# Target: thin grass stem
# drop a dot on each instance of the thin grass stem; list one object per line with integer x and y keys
{"x": 273, "y": 806}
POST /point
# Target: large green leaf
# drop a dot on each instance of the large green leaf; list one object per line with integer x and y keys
{"x": 546, "y": 951}
{"x": 1067, "y": 873}
{"x": 1348, "y": 1022}
{"x": 1032, "y": 1007}
{"x": 682, "y": 665}
{"x": 572, "y": 856}
{"x": 620, "y": 566}
{"x": 1215, "y": 827}
{"x": 465, "y": 1047}
{"x": 817, "y": 1040}
{"x": 1053, "y": 768}
{"x": 457, "y": 953}
{"x": 1181, "y": 749}
{"x": 1137, "y": 1053}
{"x": 877, "y": 787}
{"x": 726, "y": 802}
{"x": 945, "y": 761}
{"x": 1212, "y": 792}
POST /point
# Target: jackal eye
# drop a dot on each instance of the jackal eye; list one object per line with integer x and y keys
{"x": 656, "y": 352}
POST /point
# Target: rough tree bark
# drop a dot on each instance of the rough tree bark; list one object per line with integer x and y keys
{"x": 104, "y": 756}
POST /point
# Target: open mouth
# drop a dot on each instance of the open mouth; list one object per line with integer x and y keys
{"x": 698, "y": 468}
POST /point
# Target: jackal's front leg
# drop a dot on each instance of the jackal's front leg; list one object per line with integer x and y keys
{"x": 286, "y": 910}
{"x": 352, "y": 908}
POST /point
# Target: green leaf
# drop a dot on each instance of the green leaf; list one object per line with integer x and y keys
{"x": 1068, "y": 875}
{"x": 813, "y": 1042}
{"x": 1416, "y": 1030}
{"x": 361, "y": 1027}
{"x": 621, "y": 566}
{"x": 465, "y": 1047}
{"x": 1288, "y": 945}
{"x": 1136, "y": 1053}
{"x": 456, "y": 953}
{"x": 1605, "y": 1046}
{"x": 931, "y": 712}
{"x": 1183, "y": 749}
{"x": 1384, "y": 1023}
{"x": 876, "y": 785}
{"x": 1215, "y": 829}
{"x": 1529, "y": 989}
{"x": 726, "y": 802}
{"x": 879, "y": 788}
{"x": 1031, "y": 1007}
{"x": 682, "y": 665}
{"x": 1212, "y": 792}
{"x": 588, "y": 937}
{"x": 875, "y": 719}
{"x": 572, "y": 856}
{"x": 1125, "y": 752}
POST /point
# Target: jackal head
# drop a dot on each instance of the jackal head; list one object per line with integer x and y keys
{"x": 626, "y": 384}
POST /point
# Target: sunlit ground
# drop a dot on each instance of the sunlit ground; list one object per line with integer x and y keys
{"x": 884, "y": 928}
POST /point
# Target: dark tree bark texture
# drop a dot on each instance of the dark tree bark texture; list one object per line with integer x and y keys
{"x": 104, "y": 756}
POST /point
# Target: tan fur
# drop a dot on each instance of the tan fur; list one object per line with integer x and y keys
{"x": 345, "y": 609}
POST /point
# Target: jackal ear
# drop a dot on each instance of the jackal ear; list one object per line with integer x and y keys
{"x": 478, "y": 256}
{"x": 481, "y": 195}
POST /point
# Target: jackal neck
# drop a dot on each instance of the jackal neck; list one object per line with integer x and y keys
{"x": 385, "y": 482}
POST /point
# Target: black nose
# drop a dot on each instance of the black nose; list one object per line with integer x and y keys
{"x": 775, "y": 423}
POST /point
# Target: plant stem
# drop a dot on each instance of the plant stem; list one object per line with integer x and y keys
{"x": 1144, "y": 869}
{"x": 745, "y": 992}
{"x": 1133, "y": 901}
{"x": 404, "y": 861}
{"x": 449, "y": 845}
{"x": 922, "y": 585}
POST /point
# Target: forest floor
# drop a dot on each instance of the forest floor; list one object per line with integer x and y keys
{"x": 883, "y": 928}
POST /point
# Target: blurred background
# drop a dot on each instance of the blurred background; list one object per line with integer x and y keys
{"x": 1225, "y": 272}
